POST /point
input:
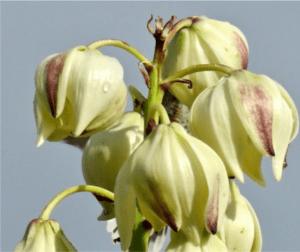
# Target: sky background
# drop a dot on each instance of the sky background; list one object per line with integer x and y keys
{"x": 31, "y": 176}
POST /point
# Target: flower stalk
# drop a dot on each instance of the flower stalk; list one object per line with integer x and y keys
{"x": 118, "y": 43}
{"x": 69, "y": 191}
{"x": 199, "y": 68}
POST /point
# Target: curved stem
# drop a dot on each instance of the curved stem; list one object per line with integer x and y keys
{"x": 67, "y": 192}
{"x": 200, "y": 68}
{"x": 118, "y": 43}
{"x": 163, "y": 115}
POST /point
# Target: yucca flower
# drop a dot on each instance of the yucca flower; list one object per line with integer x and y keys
{"x": 206, "y": 41}
{"x": 243, "y": 118}
{"x": 176, "y": 180}
{"x": 44, "y": 236}
{"x": 78, "y": 92}
{"x": 106, "y": 152}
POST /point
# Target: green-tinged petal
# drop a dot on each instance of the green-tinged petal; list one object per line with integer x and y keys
{"x": 294, "y": 111}
{"x": 44, "y": 236}
{"x": 158, "y": 188}
{"x": 125, "y": 206}
{"x": 72, "y": 56}
{"x": 238, "y": 226}
{"x": 214, "y": 121}
{"x": 180, "y": 243}
{"x": 257, "y": 242}
{"x": 106, "y": 152}
{"x": 252, "y": 163}
{"x": 214, "y": 181}
{"x": 282, "y": 132}
{"x": 213, "y": 243}
{"x": 94, "y": 84}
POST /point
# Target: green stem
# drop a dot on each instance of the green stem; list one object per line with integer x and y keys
{"x": 141, "y": 233}
{"x": 163, "y": 115}
{"x": 199, "y": 68}
{"x": 118, "y": 43}
{"x": 67, "y": 192}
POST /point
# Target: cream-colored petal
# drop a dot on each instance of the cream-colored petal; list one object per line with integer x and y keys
{"x": 238, "y": 224}
{"x": 214, "y": 121}
{"x": 255, "y": 98}
{"x": 94, "y": 82}
{"x": 282, "y": 131}
{"x": 45, "y": 123}
{"x": 125, "y": 206}
{"x": 73, "y": 55}
{"x": 257, "y": 242}
{"x": 294, "y": 111}
{"x": 252, "y": 163}
{"x": 180, "y": 243}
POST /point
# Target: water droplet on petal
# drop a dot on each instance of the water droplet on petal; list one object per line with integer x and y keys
{"x": 106, "y": 87}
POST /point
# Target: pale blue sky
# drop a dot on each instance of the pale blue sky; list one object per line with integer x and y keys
{"x": 31, "y": 176}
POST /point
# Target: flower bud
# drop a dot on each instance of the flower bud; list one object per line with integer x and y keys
{"x": 44, "y": 236}
{"x": 244, "y": 117}
{"x": 176, "y": 180}
{"x": 106, "y": 152}
{"x": 240, "y": 229}
{"x": 206, "y": 41}
{"x": 78, "y": 93}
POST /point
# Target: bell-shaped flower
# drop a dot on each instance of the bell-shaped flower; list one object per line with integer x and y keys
{"x": 243, "y": 118}
{"x": 240, "y": 230}
{"x": 106, "y": 152}
{"x": 44, "y": 236}
{"x": 78, "y": 92}
{"x": 175, "y": 179}
{"x": 206, "y": 41}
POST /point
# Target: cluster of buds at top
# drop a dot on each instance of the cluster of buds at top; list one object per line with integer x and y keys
{"x": 174, "y": 178}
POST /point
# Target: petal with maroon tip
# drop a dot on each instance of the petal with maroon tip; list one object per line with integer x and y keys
{"x": 53, "y": 71}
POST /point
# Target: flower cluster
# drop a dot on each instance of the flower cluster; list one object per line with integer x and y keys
{"x": 162, "y": 174}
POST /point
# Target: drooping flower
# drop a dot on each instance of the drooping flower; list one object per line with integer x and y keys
{"x": 44, "y": 236}
{"x": 243, "y": 118}
{"x": 206, "y": 41}
{"x": 176, "y": 180}
{"x": 78, "y": 92}
{"x": 106, "y": 152}
{"x": 240, "y": 230}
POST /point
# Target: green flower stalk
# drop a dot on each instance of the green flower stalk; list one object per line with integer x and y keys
{"x": 243, "y": 118}
{"x": 44, "y": 234}
{"x": 78, "y": 93}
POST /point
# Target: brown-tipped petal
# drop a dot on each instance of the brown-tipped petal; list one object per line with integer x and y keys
{"x": 212, "y": 211}
{"x": 53, "y": 71}
{"x": 259, "y": 107}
